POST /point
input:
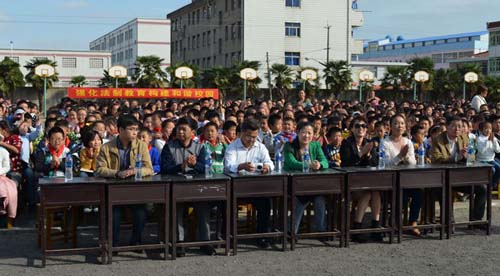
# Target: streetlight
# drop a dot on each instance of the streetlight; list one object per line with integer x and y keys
{"x": 44, "y": 71}
{"x": 469, "y": 77}
{"x": 183, "y": 73}
{"x": 118, "y": 72}
{"x": 307, "y": 75}
{"x": 247, "y": 74}
{"x": 420, "y": 76}
{"x": 364, "y": 76}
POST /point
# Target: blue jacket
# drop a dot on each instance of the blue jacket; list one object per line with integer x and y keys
{"x": 174, "y": 154}
{"x": 155, "y": 159}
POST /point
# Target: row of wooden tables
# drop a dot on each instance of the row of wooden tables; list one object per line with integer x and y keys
{"x": 170, "y": 190}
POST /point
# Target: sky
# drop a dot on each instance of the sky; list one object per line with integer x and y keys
{"x": 72, "y": 24}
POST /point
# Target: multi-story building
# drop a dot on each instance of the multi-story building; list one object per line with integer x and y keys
{"x": 442, "y": 49}
{"x": 69, "y": 63}
{"x": 494, "y": 48}
{"x": 138, "y": 37}
{"x": 220, "y": 32}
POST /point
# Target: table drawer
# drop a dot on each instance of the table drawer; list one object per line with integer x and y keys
{"x": 72, "y": 194}
{"x": 372, "y": 180}
{"x": 137, "y": 194}
{"x": 469, "y": 176}
{"x": 254, "y": 187}
{"x": 318, "y": 184}
{"x": 421, "y": 179}
{"x": 200, "y": 191}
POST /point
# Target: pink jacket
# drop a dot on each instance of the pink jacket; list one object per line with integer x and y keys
{"x": 8, "y": 193}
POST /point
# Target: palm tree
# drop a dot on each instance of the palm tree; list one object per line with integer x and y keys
{"x": 148, "y": 72}
{"x": 109, "y": 82}
{"x": 237, "y": 83}
{"x": 36, "y": 81}
{"x": 78, "y": 81}
{"x": 472, "y": 67}
{"x": 217, "y": 77}
{"x": 337, "y": 76}
{"x": 397, "y": 78}
{"x": 11, "y": 77}
{"x": 423, "y": 64}
{"x": 446, "y": 81}
{"x": 283, "y": 78}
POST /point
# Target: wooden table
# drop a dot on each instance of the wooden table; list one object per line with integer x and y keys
{"x": 370, "y": 179}
{"x": 272, "y": 185}
{"x": 55, "y": 192}
{"x": 325, "y": 182}
{"x": 155, "y": 189}
{"x": 427, "y": 177}
{"x": 460, "y": 175}
{"x": 200, "y": 189}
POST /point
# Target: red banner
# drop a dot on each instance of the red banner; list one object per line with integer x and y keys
{"x": 141, "y": 93}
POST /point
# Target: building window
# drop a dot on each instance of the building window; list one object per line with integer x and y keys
{"x": 239, "y": 30}
{"x": 292, "y": 58}
{"x": 233, "y": 31}
{"x": 437, "y": 58}
{"x": 96, "y": 63}
{"x": 220, "y": 46}
{"x": 204, "y": 40}
{"x": 494, "y": 64}
{"x": 449, "y": 56}
{"x": 292, "y": 29}
{"x": 215, "y": 36}
{"x": 233, "y": 4}
{"x": 220, "y": 18}
{"x": 494, "y": 38}
{"x": 292, "y": 3}
{"x": 227, "y": 33}
{"x": 209, "y": 38}
{"x": 69, "y": 62}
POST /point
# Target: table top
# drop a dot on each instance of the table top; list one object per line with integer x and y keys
{"x": 100, "y": 180}
{"x": 314, "y": 173}
{"x": 197, "y": 178}
{"x": 257, "y": 175}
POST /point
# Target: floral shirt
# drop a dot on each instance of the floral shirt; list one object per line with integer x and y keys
{"x": 15, "y": 159}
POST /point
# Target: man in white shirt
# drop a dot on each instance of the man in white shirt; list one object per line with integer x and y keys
{"x": 480, "y": 98}
{"x": 247, "y": 155}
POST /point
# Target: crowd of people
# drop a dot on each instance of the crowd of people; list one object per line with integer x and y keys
{"x": 105, "y": 139}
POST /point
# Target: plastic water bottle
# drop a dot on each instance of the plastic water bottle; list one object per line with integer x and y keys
{"x": 208, "y": 162}
{"x": 68, "y": 165}
{"x": 421, "y": 155}
{"x": 471, "y": 153}
{"x": 278, "y": 162}
{"x": 381, "y": 155}
{"x": 306, "y": 161}
{"x": 138, "y": 167}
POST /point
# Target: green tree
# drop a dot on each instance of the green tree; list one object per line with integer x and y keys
{"x": 396, "y": 78}
{"x": 471, "y": 88}
{"x": 11, "y": 77}
{"x": 493, "y": 84}
{"x": 237, "y": 82}
{"x": 108, "y": 81}
{"x": 422, "y": 64}
{"x": 36, "y": 81}
{"x": 217, "y": 77}
{"x": 446, "y": 82}
{"x": 337, "y": 76}
{"x": 148, "y": 72}
{"x": 78, "y": 81}
{"x": 282, "y": 76}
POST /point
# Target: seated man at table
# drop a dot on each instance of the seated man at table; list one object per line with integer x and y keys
{"x": 243, "y": 155}
{"x": 184, "y": 155}
{"x": 116, "y": 160}
{"x": 451, "y": 147}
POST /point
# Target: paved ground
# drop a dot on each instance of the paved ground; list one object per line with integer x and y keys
{"x": 470, "y": 252}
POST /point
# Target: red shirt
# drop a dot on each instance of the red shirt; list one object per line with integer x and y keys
{"x": 15, "y": 159}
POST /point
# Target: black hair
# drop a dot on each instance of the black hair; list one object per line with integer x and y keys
{"x": 332, "y": 131}
{"x": 229, "y": 124}
{"x": 89, "y": 136}
{"x": 210, "y": 124}
{"x": 415, "y": 129}
{"x": 451, "y": 119}
{"x": 62, "y": 123}
{"x": 250, "y": 124}
{"x": 187, "y": 121}
{"x": 273, "y": 119}
{"x": 55, "y": 130}
{"x": 126, "y": 121}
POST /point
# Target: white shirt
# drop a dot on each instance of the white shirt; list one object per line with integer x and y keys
{"x": 392, "y": 152}
{"x": 486, "y": 148}
{"x": 477, "y": 102}
{"x": 237, "y": 154}
{"x": 4, "y": 161}
{"x": 453, "y": 148}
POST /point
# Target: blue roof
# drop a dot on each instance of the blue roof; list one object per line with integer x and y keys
{"x": 431, "y": 38}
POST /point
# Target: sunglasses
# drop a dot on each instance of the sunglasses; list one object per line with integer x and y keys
{"x": 360, "y": 126}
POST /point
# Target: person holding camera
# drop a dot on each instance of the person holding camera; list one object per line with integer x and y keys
{"x": 293, "y": 156}
{"x": 247, "y": 155}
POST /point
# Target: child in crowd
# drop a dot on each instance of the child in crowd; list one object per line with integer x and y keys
{"x": 288, "y": 134}
{"x": 92, "y": 142}
{"x": 167, "y": 127}
{"x": 418, "y": 138}
{"x": 146, "y": 136}
{"x": 229, "y": 132}
{"x": 379, "y": 133}
{"x": 27, "y": 169}
{"x": 332, "y": 150}
{"x": 487, "y": 146}
{"x": 215, "y": 146}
